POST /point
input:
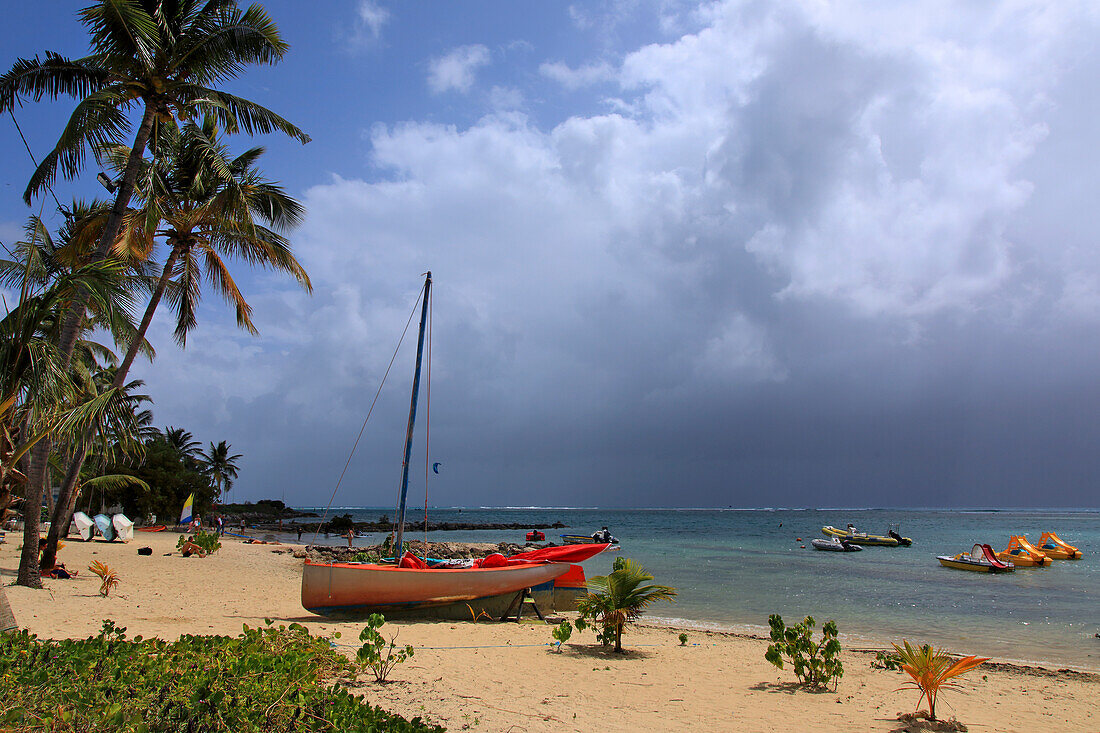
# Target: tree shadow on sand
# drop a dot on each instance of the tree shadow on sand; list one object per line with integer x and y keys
{"x": 604, "y": 653}
{"x": 788, "y": 688}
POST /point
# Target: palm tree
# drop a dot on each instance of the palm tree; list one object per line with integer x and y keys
{"x": 38, "y": 395}
{"x": 619, "y": 598}
{"x": 220, "y": 466}
{"x": 186, "y": 446}
{"x": 43, "y": 260}
{"x": 206, "y": 205}
{"x": 160, "y": 59}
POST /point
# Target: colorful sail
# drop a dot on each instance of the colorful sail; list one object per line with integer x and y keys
{"x": 185, "y": 515}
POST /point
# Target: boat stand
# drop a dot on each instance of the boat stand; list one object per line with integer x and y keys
{"x": 523, "y": 598}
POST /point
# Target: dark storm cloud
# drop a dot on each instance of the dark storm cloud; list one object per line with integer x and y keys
{"x": 816, "y": 258}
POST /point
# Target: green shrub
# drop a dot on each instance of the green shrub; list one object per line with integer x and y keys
{"x": 271, "y": 679}
{"x": 683, "y": 639}
{"x": 562, "y": 632}
{"x": 886, "y": 660}
{"x": 370, "y": 655}
{"x": 208, "y": 541}
{"x": 815, "y": 664}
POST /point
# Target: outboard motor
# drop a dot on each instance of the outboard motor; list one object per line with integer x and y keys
{"x": 905, "y": 542}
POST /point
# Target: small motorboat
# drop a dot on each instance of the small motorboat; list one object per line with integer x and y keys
{"x": 1023, "y": 554}
{"x": 104, "y": 526}
{"x": 586, "y": 539}
{"x": 863, "y": 538}
{"x": 835, "y": 544}
{"x": 83, "y": 524}
{"x": 535, "y": 536}
{"x": 1056, "y": 549}
{"x": 124, "y": 528}
{"x": 980, "y": 559}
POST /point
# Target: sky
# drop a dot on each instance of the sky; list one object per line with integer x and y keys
{"x": 750, "y": 254}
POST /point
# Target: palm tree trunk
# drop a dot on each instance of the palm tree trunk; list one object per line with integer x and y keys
{"x": 29, "y": 574}
{"x": 7, "y": 618}
{"x": 619, "y": 638}
{"x": 67, "y": 497}
{"x": 66, "y": 503}
{"x": 72, "y": 325}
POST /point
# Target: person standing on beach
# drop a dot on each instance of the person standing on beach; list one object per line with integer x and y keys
{"x": 351, "y": 536}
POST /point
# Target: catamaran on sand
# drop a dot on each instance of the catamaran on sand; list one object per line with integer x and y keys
{"x": 413, "y": 582}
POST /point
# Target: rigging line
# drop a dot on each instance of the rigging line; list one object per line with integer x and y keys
{"x": 28, "y": 147}
{"x": 364, "y": 426}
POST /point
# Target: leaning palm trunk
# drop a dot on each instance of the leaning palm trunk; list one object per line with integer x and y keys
{"x": 74, "y": 319}
{"x": 29, "y": 572}
{"x": 70, "y": 488}
{"x": 7, "y": 618}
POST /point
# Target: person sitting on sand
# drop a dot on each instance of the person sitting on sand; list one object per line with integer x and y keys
{"x": 190, "y": 548}
{"x": 57, "y": 571}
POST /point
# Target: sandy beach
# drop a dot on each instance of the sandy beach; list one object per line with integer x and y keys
{"x": 504, "y": 677}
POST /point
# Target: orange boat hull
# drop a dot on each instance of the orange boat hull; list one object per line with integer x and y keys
{"x": 336, "y": 588}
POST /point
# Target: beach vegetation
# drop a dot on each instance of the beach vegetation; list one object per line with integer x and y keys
{"x": 377, "y": 654}
{"x": 683, "y": 639}
{"x": 620, "y": 598}
{"x": 561, "y": 634}
{"x": 816, "y": 664}
{"x": 109, "y": 577}
{"x": 208, "y": 541}
{"x": 886, "y": 660}
{"x": 932, "y": 671}
{"x": 274, "y": 679}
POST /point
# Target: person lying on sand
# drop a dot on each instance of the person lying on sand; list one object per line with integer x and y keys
{"x": 190, "y": 548}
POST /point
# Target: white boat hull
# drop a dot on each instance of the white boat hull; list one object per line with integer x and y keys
{"x": 333, "y": 588}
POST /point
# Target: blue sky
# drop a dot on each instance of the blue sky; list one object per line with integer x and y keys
{"x": 686, "y": 254}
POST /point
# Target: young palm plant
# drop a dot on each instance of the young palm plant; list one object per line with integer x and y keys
{"x": 109, "y": 577}
{"x": 932, "y": 671}
{"x": 621, "y": 597}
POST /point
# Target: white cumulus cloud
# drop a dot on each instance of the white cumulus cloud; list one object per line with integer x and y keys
{"x": 457, "y": 69}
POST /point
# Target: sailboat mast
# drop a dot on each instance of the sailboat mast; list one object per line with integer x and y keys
{"x": 412, "y": 416}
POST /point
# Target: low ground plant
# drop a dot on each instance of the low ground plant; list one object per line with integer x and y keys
{"x": 932, "y": 671}
{"x": 378, "y": 655}
{"x": 886, "y": 660}
{"x": 561, "y": 634}
{"x": 271, "y": 679}
{"x": 815, "y": 664}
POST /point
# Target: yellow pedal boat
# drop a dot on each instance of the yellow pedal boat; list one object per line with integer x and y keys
{"x": 1052, "y": 547}
{"x": 1023, "y": 554}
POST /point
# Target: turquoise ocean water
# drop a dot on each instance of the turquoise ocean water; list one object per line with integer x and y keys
{"x": 733, "y": 568}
